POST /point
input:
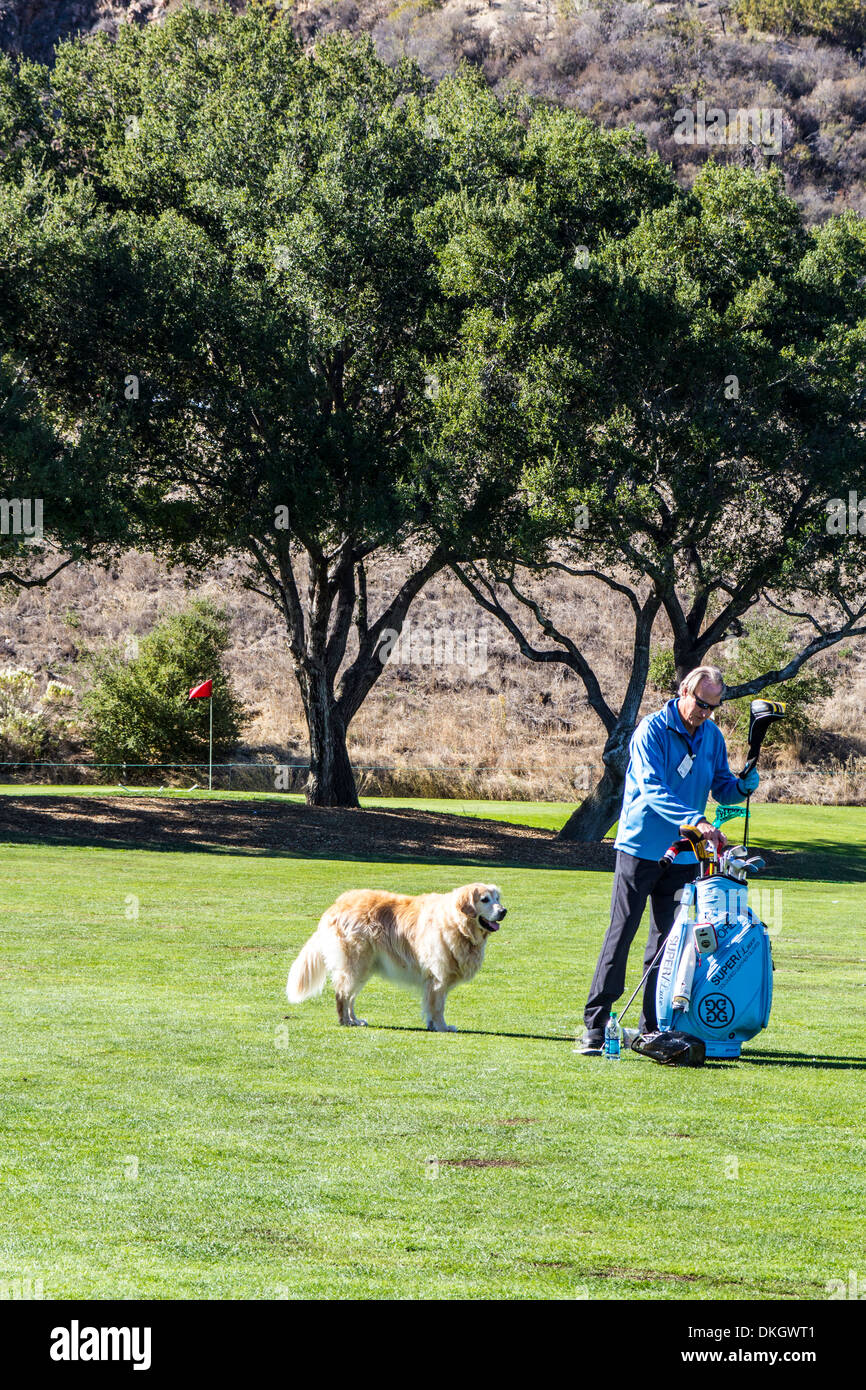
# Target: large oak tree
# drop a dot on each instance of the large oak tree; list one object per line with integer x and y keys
{"x": 690, "y": 397}
{"x": 213, "y": 258}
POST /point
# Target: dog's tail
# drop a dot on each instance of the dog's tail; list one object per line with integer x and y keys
{"x": 308, "y": 972}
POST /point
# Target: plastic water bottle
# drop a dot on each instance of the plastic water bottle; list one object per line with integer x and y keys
{"x": 613, "y": 1039}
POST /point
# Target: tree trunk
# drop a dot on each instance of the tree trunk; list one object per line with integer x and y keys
{"x": 686, "y": 660}
{"x": 331, "y": 781}
{"x": 317, "y": 642}
{"x": 595, "y": 815}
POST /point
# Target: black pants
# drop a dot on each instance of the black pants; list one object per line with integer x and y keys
{"x": 634, "y": 881}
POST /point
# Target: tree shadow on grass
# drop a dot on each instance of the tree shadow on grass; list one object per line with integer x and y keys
{"x": 779, "y": 1059}
{"x": 475, "y": 1032}
{"x": 827, "y": 861}
{"x": 805, "y": 1059}
{"x": 291, "y": 830}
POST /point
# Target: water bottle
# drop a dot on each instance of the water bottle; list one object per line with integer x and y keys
{"x": 613, "y": 1039}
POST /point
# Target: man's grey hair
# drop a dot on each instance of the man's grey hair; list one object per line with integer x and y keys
{"x": 711, "y": 674}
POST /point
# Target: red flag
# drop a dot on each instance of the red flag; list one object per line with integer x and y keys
{"x": 200, "y": 692}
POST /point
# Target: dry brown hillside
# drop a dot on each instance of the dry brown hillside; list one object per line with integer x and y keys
{"x": 497, "y": 726}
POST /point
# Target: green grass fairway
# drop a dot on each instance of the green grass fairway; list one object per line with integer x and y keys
{"x": 171, "y": 1128}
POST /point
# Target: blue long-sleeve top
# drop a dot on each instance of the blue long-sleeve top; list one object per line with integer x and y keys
{"x": 662, "y": 792}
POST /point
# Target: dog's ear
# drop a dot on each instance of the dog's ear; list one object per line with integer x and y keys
{"x": 465, "y": 899}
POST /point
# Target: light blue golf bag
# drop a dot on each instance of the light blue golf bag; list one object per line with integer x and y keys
{"x": 722, "y": 992}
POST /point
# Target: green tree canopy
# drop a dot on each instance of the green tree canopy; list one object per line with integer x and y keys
{"x": 690, "y": 396}
{"x": 63, "y": 496}
{"x": 212, "y": 252}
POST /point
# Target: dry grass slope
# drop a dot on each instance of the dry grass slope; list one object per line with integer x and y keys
{"x": 500, "y": 726}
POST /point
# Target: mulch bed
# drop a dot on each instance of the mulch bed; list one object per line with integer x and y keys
{"x": 309, "y": 832}
{"x": 291, "y": 828}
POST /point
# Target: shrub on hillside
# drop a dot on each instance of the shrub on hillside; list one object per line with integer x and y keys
{"x": 139, "y": 711}
{"x": 843, "y": 21}
{"x": 662, "y": 674}
{"x": 30, "y": 723}
{"x": 766, "y": 646}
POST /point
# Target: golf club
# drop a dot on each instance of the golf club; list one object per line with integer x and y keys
{"x": 762, "y": 713}
{"x": 648, "y": 972}
{"x": 692, "y": 839}
{"x": 698, "y": 844}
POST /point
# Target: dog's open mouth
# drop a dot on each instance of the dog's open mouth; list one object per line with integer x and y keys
{"x": 487, "y": 925}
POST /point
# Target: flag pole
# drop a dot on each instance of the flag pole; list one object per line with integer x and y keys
{"x": 210, "y": 748}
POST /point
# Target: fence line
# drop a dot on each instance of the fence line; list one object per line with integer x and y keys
{"x": 249, "y": 772}
{"x": 153, "y": 765}
{"x": 274, "y": 767}
{"x": 398, "y": 770}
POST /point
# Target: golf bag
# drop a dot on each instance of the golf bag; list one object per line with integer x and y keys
{"x": 715, "y": 979}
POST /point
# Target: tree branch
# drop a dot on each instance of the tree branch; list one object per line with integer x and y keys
{"x": 604, "y": 578}
{"x": 9, "y": 577}
{"x": 365, "y": 670}
{"x": 819, "y": 644}
{"x": 344, "y": 587}
{"x": 361, "y": 613}
{"x": 793, "y": 613}
{"x": 569, "y": 656}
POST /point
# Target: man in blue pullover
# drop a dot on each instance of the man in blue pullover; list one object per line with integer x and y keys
{"x": 677, "y": 757}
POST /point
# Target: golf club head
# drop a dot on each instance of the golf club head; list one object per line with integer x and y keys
{"x": 761, "y": 715}
{"x": 734, "y": 865}
{"x": 755, "y": 864}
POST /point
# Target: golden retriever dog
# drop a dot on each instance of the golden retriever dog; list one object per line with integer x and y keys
{"x": 432, "y": 943}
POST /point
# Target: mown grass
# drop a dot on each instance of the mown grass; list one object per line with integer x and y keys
{"x": 172, "y": 1128}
